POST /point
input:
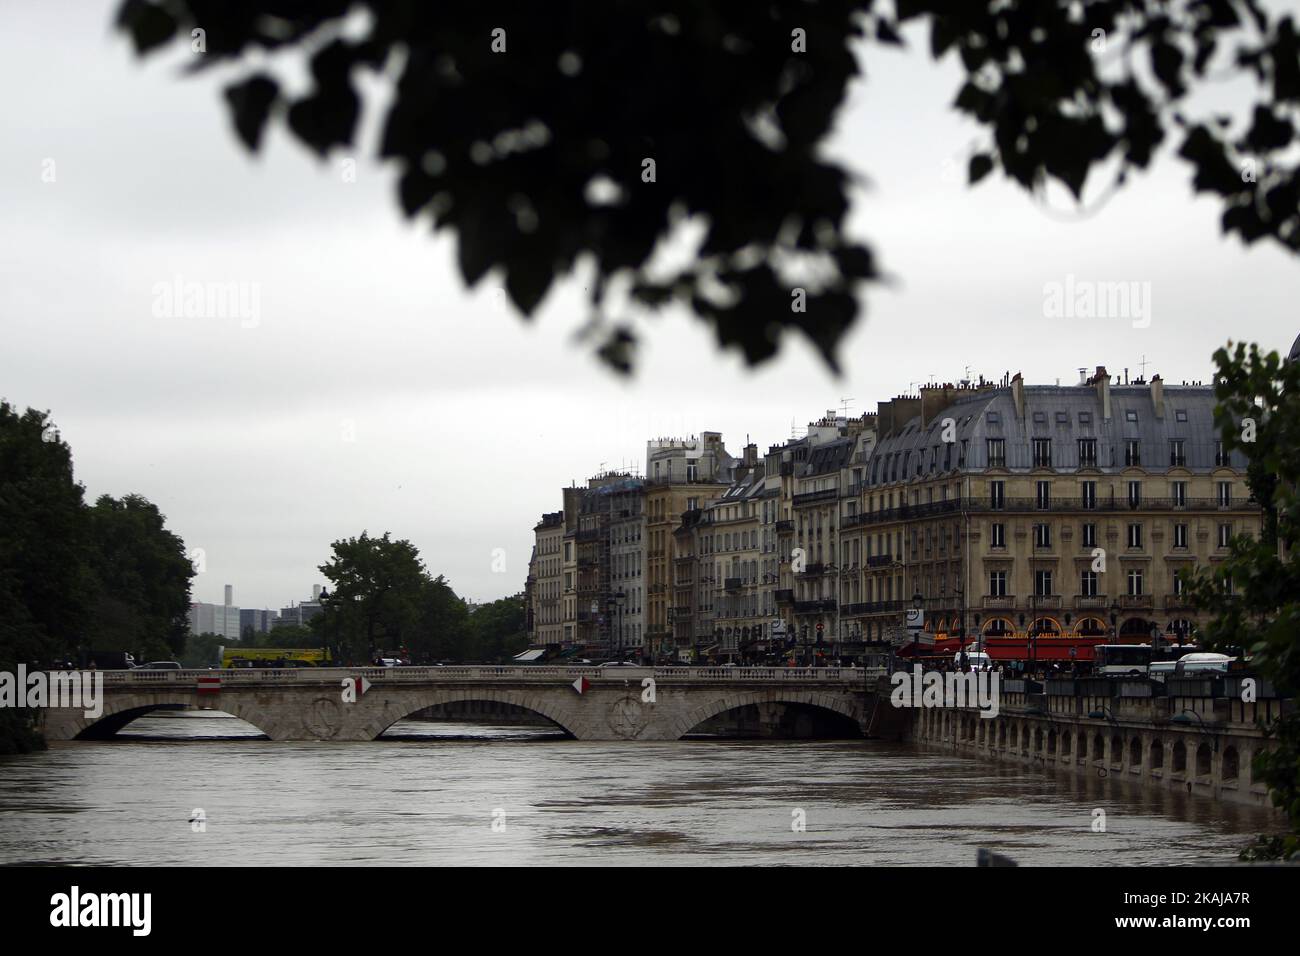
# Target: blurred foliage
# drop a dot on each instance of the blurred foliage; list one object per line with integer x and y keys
{"x": 1253, "y": 595}
{"x": 525, "y": 128}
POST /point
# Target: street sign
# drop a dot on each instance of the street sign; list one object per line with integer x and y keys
{"x": 778, "y": 627}
{"x": 915, "y": 618}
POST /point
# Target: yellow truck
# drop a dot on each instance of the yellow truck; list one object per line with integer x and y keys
{"x": 275, "y": 657}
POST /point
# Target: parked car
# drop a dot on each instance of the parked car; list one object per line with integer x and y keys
{"x": 161, "y": 666}
{"x": 390, "y": 662}
{"x": 618, "y": 664}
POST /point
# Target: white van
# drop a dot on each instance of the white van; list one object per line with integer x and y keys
{"x": 978, "y": 660}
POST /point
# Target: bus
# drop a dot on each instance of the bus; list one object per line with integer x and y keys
{"x": 1136, "y": 660}
{"x": 1121, "y": 660}
{"x": 275, "y": 657}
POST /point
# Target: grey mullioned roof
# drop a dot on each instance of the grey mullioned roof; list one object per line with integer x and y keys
{"x": 831, "y": 456}
{"x": 1063, "y": 414}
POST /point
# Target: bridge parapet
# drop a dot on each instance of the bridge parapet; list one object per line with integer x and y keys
{"x": 533, "y": 674}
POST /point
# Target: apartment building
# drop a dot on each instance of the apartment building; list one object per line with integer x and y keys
{"x": 682, "y": 475}
{"x": 627, "y": 523}
{"x": 1040, "y": 512}
{"x": 547, "y": 596}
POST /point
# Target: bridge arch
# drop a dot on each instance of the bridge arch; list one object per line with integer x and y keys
{"x": 121, "y": 710}
{"x": 808, "y": 698}
{"x": 399, "y": 707}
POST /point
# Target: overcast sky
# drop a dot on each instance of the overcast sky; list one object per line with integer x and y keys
{"x": 465, "y": 421}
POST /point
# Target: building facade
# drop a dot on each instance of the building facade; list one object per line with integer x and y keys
{"x": 985, "y": 509}
{"x": 1045, "y": 512}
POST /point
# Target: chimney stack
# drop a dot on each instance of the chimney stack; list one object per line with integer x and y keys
{"x": 1018, "y": 394}
{"x": 1083, "y": 376}
{"x": 1102, "y": 379}
{"x": 1158, "y": 395}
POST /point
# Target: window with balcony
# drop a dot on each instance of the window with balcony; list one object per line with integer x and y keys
{"x": 997, "y": 584}
{"x": 996, "y": 495}
{"x": 1087, "y": 452}
{"x": 1134, "y": 494}
{"x": 1225, "y": 493}
{"x": 997, "y": 449}
{"x": 1135, "y": 582}
{"x": 1088, "y": 492}
{"x": 1042, "y": 452}
{"x": 1042, "y": 583}
{"x": 1176, "y": 457}
{"x": 1132, "y": 453}
{"x": 1220, "y": 455}
{"x": 1088, "y": 583}
{"x": 1178, "y": 493}
{"x": 1044, "y": 496}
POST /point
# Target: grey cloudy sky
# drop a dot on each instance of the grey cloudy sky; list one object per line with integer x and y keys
{"x": 466, "y": 420}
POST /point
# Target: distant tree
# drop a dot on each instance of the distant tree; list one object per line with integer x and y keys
{"x": 142, "y": 576}
{"x": 443, "y": 632}
{"x": 375, "y": 599}
{"x": 1253, "y": 595}
{"x": 74, "y": 578}
{"x": 548, "y": 135}
{"x": 289, "y": 635}
{"x": 201, "y": 650}
{"x": 497, "y": 629}
{"x": 44, "y": 547}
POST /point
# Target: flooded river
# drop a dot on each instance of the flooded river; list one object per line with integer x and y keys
{"x": 480, "y": 794}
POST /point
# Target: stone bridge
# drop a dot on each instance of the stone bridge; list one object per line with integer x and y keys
{"x": 616, "y": 703}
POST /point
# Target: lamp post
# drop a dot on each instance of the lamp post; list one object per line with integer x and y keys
{"x": 1114, "y": 622}
{"x": 1204, "y": 730}
{"x": 917, "y": 603}
{"x": 614, "y": 603}
{"x": 1032, "y": 634}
